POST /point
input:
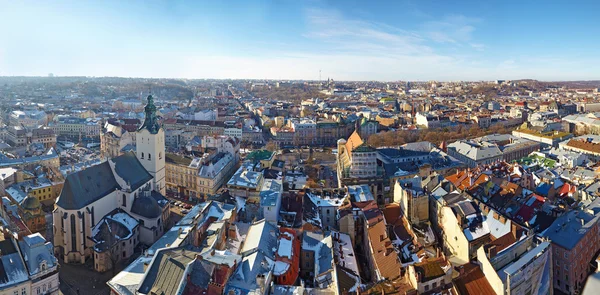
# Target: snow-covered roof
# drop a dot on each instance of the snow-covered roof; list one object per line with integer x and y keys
{"x": 342, "y": 246}
{"x": 324, "y": 201}
{"x": 476, "y": 231}
{"x": 245, "y": 177}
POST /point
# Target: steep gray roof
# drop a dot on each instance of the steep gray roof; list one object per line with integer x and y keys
{"x": 87, "y": 186}
{"x": 128, "y": 167}
{"x": 36, "y": 249}
{"x": 243, "y": 280}
{"x": 166, "y": 273}
{"x": 12, "y": 268}
{"x": 263, "y": 237}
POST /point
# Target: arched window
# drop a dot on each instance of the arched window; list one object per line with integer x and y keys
{"x": 142, "y": 155}
{"x": 149, "y": 157}
{"x": 73, "y": 234}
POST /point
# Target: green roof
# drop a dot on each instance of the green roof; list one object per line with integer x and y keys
{"x": 259, "y": 155}
{"x": 534, "y": 159}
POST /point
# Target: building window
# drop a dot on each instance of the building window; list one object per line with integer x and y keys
{"x": 73, "y": 234}
{"x": 124, "y": 200}
{"x": 149, "y": 157}
{"x": 142, "y": 155}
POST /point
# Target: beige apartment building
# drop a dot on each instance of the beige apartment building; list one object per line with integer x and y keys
{"x": 199, "y": 176}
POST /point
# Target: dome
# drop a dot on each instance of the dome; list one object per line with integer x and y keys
{"x": 146, "y": 206}
{"x": 341, "y": 141}
{"x": 30, "y": 203}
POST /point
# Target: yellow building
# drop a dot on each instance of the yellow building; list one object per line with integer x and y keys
{"x": 198, "y": 177}
{"x": 180, "y": 175}
{"x": 41, "y": 188}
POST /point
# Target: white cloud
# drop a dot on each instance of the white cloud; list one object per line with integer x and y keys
{"x": 451, "y": 29}
{"x": 477, "y": 46}
{"x": 332, "y": 27}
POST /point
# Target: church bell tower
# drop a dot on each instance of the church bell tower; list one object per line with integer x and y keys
{"x": 150, "y": 146}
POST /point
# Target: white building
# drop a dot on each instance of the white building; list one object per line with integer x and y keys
{"x": 233, "y": 132}
{"x": 133, "y": 184}
{"x": 522, "y": 268}
{"x": 225, "y": 144}
{"x": 28, "y": 119}
{"x": 28, "y": 266}
{"x": 305, "y": 131}
{"x": 270, "y": 199}
{"x": 201, "y": 115}
{"x": 355, "y": 158}
{"x": 150, "y": 146}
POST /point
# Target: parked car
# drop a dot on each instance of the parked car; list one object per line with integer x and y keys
{"x": 187, "y": 206}
{"x": 185, "y": 211}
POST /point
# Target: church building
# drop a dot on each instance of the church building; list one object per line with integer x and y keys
{"x": 132, "y": 184}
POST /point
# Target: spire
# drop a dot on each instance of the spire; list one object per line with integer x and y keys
{"x": 150, "y": 121}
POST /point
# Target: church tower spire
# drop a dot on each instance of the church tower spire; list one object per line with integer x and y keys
{"x": 150, "y": 146}
{"x": 150, "y": 121}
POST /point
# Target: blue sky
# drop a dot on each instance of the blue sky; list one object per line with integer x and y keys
{"x": 346, "y": 40}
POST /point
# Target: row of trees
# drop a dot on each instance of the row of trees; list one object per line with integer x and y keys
{"x": 435, "y": 136}
{"x": 293, "y": 93}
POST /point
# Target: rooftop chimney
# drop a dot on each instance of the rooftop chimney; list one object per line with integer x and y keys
{"x": 492, "y": 251}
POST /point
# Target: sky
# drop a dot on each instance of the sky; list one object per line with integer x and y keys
{"x": 343, "y": 40}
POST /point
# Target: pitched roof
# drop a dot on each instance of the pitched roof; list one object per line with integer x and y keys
{"x": 166, "y": 273}
{"x": 87, "y": 186}
{"x": 353, "y": 142}
{"x": 430, "y": 269}
{"x": 129, "y": 168}
{"x": 472, "y": 281}
{"x": 584, "y": 145}
{"x": 263, "y": 237}
{"x": 386, "y": 259}
{"x": 243, "y": 280}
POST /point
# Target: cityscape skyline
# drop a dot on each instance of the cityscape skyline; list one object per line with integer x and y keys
{"x": 288, "y": 40}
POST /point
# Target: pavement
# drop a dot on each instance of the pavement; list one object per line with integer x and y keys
{"x": 82, "y": 279}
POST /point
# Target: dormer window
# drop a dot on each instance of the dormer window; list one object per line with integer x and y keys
{"x": 43, "y": 265}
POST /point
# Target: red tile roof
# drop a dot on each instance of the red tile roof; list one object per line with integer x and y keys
{"x": 472, "y": 281}
{"x": 384, "y": 255}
